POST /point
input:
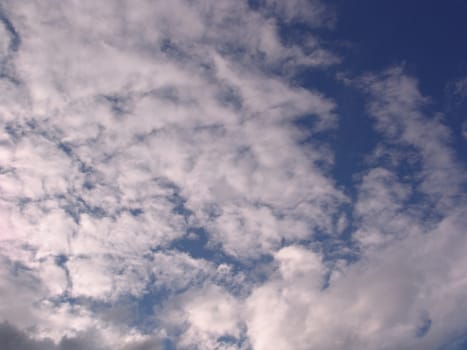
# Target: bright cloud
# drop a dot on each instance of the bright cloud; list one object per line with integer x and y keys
{"x": 165, "y": 182}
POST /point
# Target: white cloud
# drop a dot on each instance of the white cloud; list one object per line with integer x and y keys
{"x": 131, "y": 122}
{"x": 210, "y": 314}
{"x": 126, "y": 126}
{"x": 397, "y": 107}
{"x": 379, "y": 302}
{"x": 382, "y": 209}
{"x": 406, "y": 290}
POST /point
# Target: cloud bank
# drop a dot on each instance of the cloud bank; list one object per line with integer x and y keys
{"x": 158, "y": 189}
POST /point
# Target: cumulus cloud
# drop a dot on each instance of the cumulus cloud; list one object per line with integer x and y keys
{"x": 392, "y": 296}
{"x": 156, "y": 190}
{"x": 390, "y": 299}
{"x": 126, "y": 126}
{"x": 212, "y": 319}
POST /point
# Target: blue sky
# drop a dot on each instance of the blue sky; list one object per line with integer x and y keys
{"x": 233, "y": 175}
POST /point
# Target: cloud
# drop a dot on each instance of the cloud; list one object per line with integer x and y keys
{"x": 12, "y": 338}
{"x": 460, "y": 87}
{"x": 349, "y": 312}
{"x": 314, "y": 13}
{"x": 212, "y": 318}
{"x": 125, "y": 127}
{"x": 403, "y": 251}
{"x": 397, "y": 108}
{"x": 156, "y": 189}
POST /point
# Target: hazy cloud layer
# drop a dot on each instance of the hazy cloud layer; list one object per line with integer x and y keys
{"x": 158, "y": 189}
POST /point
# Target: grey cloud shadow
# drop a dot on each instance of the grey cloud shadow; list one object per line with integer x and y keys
{"x": 12, "y": 338}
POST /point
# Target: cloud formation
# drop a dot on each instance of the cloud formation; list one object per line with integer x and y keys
{"x": 158, "y": 189}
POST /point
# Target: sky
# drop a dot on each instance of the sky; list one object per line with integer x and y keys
{"x": 233, "y": 175}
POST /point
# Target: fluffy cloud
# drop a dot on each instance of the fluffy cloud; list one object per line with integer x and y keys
{"x": 212, "y": 319}
{"x": 127, "y": 125}
{"x": 407, "y": 296}
{"x": 407, "y": 289}
{"x": 157, "y": 191}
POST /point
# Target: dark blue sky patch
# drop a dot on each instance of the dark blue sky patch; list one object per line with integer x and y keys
{"x": 88, "y": 185}
{"x": 170, "y": 48}
{"x": 7, "y": 70}
{"x": 179, "y": 207}
{"x": 14, "y": 131}
{"x": 331, "y": 246}
{"x": 354, "y": 136}
{"x": 65, "y": 148}
{"x": 229, "y": 340}
{"x": 423, "y": 328}
{"x": 136, "y": 211}
{"x": 61, "y": 260}
{"x": 458, "y": 343}
{"x": 120, "y": 105}
{"x": 456, "y": 118}
{"x": 168, "y": 344}
{"x": 74, "y": 205}
{"x": 428, "y": 36}
{"x": 15, "y": 39}
{"x": 229, "y": 96}
{"x": 195, "y": 243}
{"x": 146, "y": 306}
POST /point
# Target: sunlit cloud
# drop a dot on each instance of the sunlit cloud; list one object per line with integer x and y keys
{"x": 166, "y": 183}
